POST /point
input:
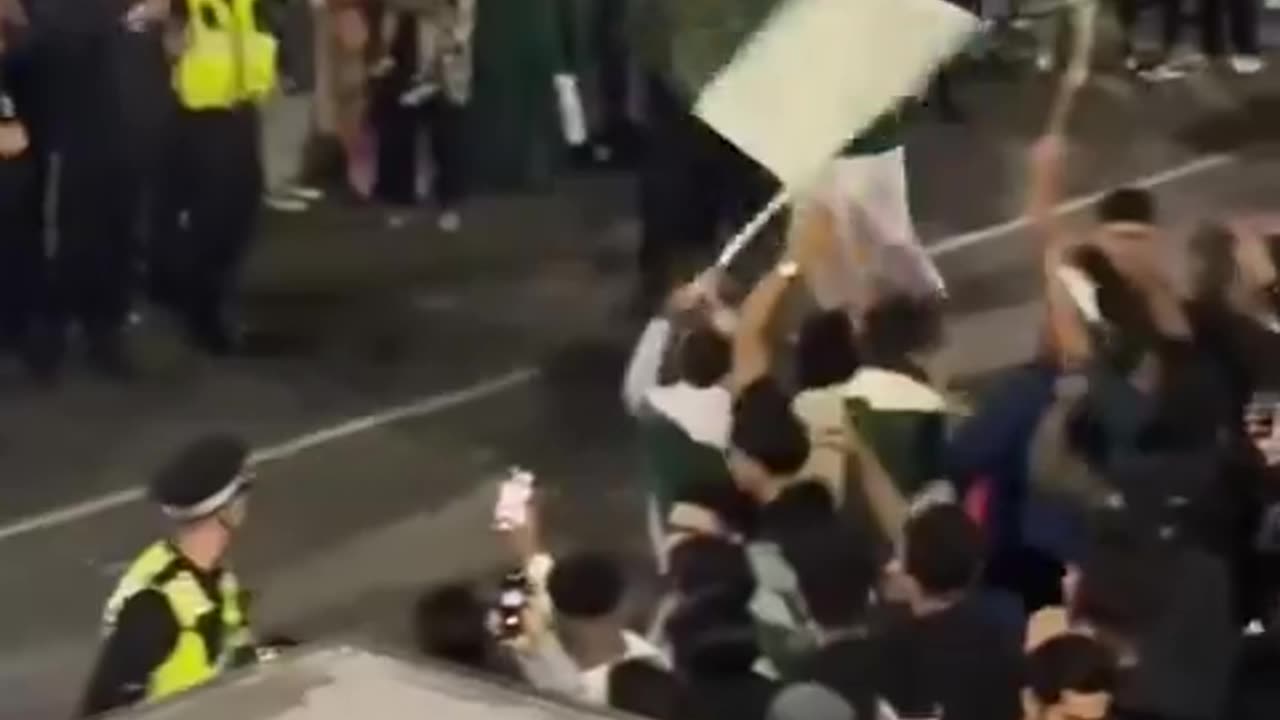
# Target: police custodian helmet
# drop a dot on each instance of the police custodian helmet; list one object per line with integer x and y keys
{"x": 203, "y": 477}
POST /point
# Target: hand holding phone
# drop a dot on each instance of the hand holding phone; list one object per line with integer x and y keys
{"x": 514, "y": 497}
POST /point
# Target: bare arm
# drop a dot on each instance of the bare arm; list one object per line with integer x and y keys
{"x": 1067, "y": 331}
{"x": 751, "y": 357}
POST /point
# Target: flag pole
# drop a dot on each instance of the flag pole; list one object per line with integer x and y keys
{"x": 753, "y": 227}
{"x": 1084, "y": 19}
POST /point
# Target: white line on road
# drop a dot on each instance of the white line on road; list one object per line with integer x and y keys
{"x": 435, "y": 404}
{"x": 956, "y": 243}
{"x": 422, "y": 407}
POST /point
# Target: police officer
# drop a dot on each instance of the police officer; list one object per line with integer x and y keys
{"x": 81, "y": 124}
{"x": 177, "y": 618}
{"x": 226, "y": 66}
{"x": 22, "y": 260}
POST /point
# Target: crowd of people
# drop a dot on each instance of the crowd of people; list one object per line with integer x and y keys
{"x": 137, "y": 152}
{"x": 838, "y": 537}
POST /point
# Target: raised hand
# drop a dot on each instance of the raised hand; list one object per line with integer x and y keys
{"x": 13, "y": 139}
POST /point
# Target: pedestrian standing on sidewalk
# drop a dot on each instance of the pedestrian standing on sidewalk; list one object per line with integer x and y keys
{"x": 424, "y": 73}
{"x": 1162, "y": 67}
{"x": 1242, "y": 19}
{"x": 288, "y": 117}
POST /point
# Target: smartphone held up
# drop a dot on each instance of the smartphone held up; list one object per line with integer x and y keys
{"x": 515, "y": 494}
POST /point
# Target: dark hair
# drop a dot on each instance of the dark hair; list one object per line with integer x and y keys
{"x": 1187, "y": 413}
{"x": 642, "y": 688}
{"x": 1070, "y": 663}
{"x": 898, "y": 326}
{"x": 1130, "y": 330}
{"x": 449, "y": 624}
{"x": 705, "y": 357}
{"x": 735, "y": 509}
{"x": 1213, "y": 246}
{"x": 944, "y": 549}
{"x": 836, "y": 570}
{"x": 707, "y": 565}
{"x": 586, "y": 586}
{"x": 1122, "y": 575}
{"x": 1128, "y": 205}
{"x": 711, "y": 635}
{"x": 826, "y": 352}
{"x": 767, "y": 431}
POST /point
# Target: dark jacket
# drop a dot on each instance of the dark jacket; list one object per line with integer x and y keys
{"x": 1188, "y": 654}
{"x": 959, "y": 661}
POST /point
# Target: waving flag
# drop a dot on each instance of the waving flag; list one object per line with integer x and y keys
{"x": 790, "y": 81}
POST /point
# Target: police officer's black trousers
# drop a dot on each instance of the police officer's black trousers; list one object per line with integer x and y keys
{"x": 217, "y": 185}
{"x": 24, "y": 281}
{"x": 94, "y": 245}
{"x": 85, "y": 169}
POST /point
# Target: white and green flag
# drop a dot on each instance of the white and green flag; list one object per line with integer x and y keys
{"x": 791, "y": 81}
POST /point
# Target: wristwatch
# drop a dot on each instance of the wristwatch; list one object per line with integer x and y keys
{"x": 788, "y": 269}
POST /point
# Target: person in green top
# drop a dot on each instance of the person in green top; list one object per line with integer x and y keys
{"x": 873, "y": 247}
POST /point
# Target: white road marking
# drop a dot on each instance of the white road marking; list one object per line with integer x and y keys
{"x": 422, "y": 407}
{"x": 956, "y": 243}
{"x": 435, "y": 404}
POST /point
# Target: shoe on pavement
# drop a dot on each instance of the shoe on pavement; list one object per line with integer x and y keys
{"x": 1247, "y": 64}
{"x": 450, "y": 221}
{"x": 305, "y": 193}
{"x": 418, "y": 94}
{"x": 282, "y": 203}
{"x": 1164, "y": 72}
{"x": 109, "y": 357}
{"x": 213, "y": 335}
{"x": 381, "y": 67}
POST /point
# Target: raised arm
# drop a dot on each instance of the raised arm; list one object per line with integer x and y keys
{"x": 1067, "y": 331}
{"x": 751, "y": 356}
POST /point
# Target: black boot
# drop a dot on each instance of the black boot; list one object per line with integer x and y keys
{"x": 210, "y": 332}
{"x": 109, "y": 357}
{"x": 43, "y": 351}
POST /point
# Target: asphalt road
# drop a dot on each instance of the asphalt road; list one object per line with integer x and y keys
{"x": 394, "y": 373}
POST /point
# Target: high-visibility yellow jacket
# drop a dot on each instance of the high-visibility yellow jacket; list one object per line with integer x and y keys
{"x": 190, "y": 663}
{"x": 227, "y": 60}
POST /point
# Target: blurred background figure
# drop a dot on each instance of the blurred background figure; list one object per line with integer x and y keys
{"x": 289, "y": 115}
{"x": 424, "y": 76}
{"x": 23, "y": 290}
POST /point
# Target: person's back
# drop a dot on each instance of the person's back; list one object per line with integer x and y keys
{"x": 1187, "y": 654}
{"x": 953, "y": 654}
{"x": 958, "y": 660}
{"x": 847, "y": 666}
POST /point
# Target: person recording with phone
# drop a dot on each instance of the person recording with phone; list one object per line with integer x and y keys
{"x": 568, "y": 631}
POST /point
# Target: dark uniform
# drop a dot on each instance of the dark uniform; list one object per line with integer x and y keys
{"x": 86, "y": 164}
{"x": 24, "y": 292}
{"x": 216, "y": 175}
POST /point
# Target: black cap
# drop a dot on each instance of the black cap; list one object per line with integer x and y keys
{"x": 202, "y": 478}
